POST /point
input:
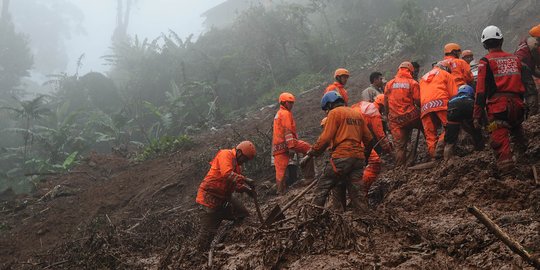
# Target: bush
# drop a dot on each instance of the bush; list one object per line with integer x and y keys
{"x": 164, "y": 145}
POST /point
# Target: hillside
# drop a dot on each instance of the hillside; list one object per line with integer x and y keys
{"x": 110, "y": 213}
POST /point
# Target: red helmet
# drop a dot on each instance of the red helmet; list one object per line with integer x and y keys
{"x": 247, "y": 148}
{"x": 286, "y": 97}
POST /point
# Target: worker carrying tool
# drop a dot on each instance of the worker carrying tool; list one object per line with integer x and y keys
{"x": 528, "y": 52}
{"x": 500, "y": 91}
{"x": 341, "y": 76}
{"x": 460, "y": 112}
{"x": 216, "y": 191}
{"x": 345, "y": 130}
{"x": 285, "y": 145}
{"x": 460, "y": 70}
{"x": 436, "y": 88}
{"x": 402, "y": 102}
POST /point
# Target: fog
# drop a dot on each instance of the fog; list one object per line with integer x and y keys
{"x": 87, "y": 27}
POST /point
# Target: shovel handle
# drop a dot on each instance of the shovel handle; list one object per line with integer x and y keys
{"x": 259, "y": 214}
{"x": 295, "y": 199}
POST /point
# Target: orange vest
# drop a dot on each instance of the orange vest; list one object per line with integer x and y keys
{"x": 345, "y": 130}
{"x": 284, "y": 131}
{"x": 461, "y": 70}
{"x": 436, "y": 88}
{"x": 338, "y": 87}
{"x": 223, "y": 178}
{"x": 401, "y": 94}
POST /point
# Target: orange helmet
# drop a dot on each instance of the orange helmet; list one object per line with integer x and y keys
{"x": 448, "y": 48}
{"x": 407, "y": 65}
{"x": 286, "y": 97}
{"x": 323, "y": 121}
{"x": 466, "y": 53}
{"x": 535, "y": 31}
{"x": 247, "y": 148}
{"x": 340, "y": 72}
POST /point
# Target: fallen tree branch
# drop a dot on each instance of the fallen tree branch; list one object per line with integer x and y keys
{"x": 535, "y": 175}
{"x": 509, "y": 242}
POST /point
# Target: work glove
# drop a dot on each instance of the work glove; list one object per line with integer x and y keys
{"x": 476, "y": 123}
{"x": 250, "y": 182}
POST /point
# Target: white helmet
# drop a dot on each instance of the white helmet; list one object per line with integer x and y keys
{"x": 491, "y": 32}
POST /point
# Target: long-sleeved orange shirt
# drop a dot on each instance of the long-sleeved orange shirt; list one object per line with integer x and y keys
{"x": 284, "y": 137}
{"x": 436, "y": 88}
{"x": 461, "y": 70}
{"x": 345, "y": 130}
{"x": 340, "y": 88}
{"x": 223, "y": 178}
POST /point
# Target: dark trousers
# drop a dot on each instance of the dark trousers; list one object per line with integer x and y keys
{"x": 211, "y": 220}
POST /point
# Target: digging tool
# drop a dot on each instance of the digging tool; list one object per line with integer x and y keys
{"x": 414, "y": 152}
{"x": 258, "y": 208}
{"x": 277, "y": 212}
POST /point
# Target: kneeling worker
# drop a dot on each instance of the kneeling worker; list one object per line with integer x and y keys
{"x": 215, "y": 192}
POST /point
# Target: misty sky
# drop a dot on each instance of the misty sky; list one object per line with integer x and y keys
{"x": 149, "y": 18}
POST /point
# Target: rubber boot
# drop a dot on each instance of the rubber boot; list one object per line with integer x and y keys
{"x": 448, "y": 151}
{"x": 439, "y": 150}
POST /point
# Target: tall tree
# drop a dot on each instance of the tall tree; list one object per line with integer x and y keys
{"x": 122, "y": 21}
{"x": 15, "y": 58}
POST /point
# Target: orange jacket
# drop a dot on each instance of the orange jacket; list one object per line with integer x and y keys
{"x": 223, "y": 178}
{"x": 401, "y": 94}
{"x": 345, "y": 130}
{"x": 340, "y": 88}
{"x": 372, "y": 116}
{"x": 461, "y": 70}
{"x": 284, "y": 131}
{"x": 436, "y": 88}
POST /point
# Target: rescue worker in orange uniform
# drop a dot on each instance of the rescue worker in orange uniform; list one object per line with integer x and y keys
{"x": 375, "y": 125}
{"x": 402, "y": 102}
{"x": 500, "y": 91}
{"x": 436, "y": 89}
{"x": 345, "y": 131}
{"x": 341, "y": 76}
{"x": 285, "y": 144}
{"x": 461, "y": 70}
{"x": 528, "y": 52}
{"x": 216, "y": 191}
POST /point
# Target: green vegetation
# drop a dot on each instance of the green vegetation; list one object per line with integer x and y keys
{"x": 160, "y": 91}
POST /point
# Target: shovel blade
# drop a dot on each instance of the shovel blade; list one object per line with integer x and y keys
{"x": 275, "y": 215}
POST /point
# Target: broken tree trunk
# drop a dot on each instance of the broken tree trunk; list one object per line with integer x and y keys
{"x": 494, "y": 229}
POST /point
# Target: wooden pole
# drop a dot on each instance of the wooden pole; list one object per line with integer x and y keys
{"x": 509, "y": 242}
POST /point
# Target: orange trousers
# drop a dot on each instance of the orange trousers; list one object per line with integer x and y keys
{"x": 432, "y": 122}
{"x": 282, "y": 160}
{"x": 372, "y": 170}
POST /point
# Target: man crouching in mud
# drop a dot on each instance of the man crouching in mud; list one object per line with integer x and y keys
{"x": 215, "y": 192}
{"x": 344, "y": 131}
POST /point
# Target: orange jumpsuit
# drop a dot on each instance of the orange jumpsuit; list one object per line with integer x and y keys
{"x": 402, "y": 98}
{"x": 340, "y": 88}
{"x": 285, "y": 141}
{"x": 223, "y": 178}
{"x": 374, "y": 122}
{"x": 436, "y": 88}
{"x": 461, "y": 70}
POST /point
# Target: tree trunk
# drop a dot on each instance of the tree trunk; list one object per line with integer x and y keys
{"x": 5, "y": 10}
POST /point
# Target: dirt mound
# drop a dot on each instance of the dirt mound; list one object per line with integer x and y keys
{"x": 110, "y": 213}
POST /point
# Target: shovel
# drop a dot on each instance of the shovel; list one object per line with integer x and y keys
{"x": 277, "y": 212}
{"x": 258, "y": 208}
